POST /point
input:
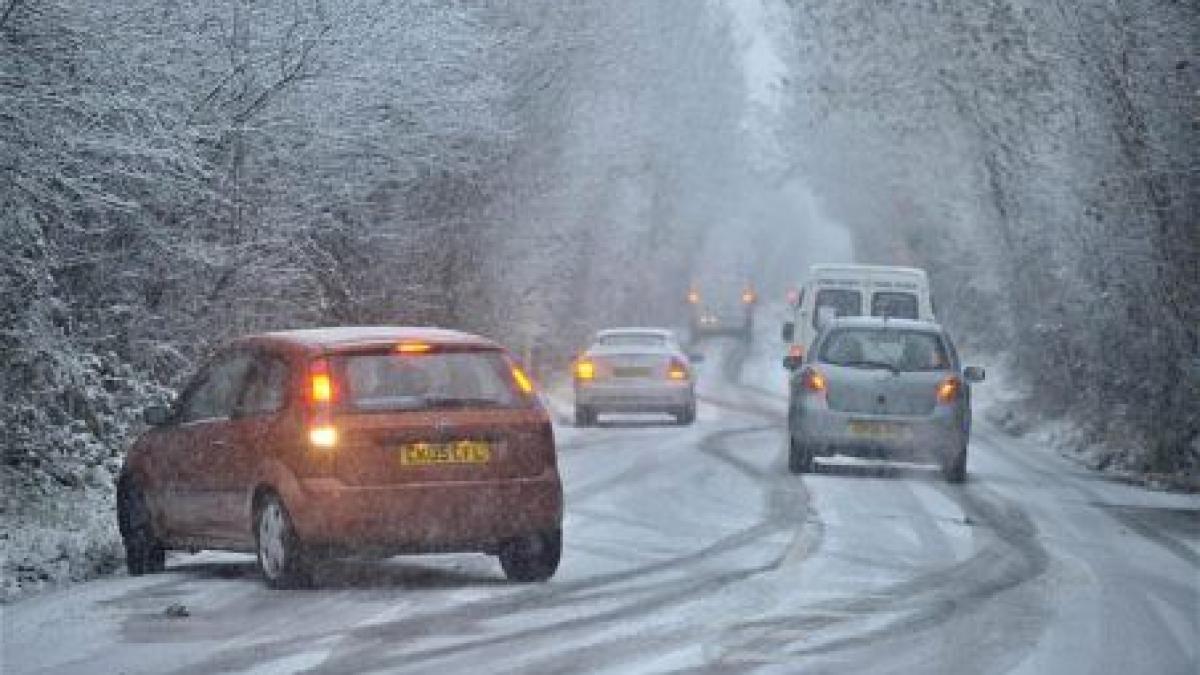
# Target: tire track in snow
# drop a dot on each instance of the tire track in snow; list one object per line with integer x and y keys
{"x": 1012, "y": 557}
{"x": 387, "y": 646}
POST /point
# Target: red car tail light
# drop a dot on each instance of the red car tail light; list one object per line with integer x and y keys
{"x": 321, "y": 395}
{"x": 320, "y": 388}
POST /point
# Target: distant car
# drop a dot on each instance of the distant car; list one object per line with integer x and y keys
{"x": 305, "y": 444}
{"x": 877, "y": 387}
{"x": 728, "y": 312}
{"x": 635, "y": 370}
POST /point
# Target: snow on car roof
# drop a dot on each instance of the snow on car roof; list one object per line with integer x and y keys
{"x": 880, "y": 322}
{"x": 350, "y": 335}
{"x": 660, "y": 332}
{"x": 825, "y": 268}
{"x": 664, "y": 341}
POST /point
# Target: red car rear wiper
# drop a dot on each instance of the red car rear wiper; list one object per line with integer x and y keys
{"x": 461, "y": 402}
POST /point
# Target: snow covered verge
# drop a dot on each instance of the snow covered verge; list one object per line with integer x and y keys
{"x": 62, "y": 447}
{"x": 1119, "y": 452}
{"x": 56, "y": 532}
{"x": 59, "y": 522}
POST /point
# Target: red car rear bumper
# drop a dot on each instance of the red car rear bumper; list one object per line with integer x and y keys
{"x": 435, "y": 516}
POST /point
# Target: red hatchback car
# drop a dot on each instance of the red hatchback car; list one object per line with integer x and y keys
{"x": 305, "y": 444}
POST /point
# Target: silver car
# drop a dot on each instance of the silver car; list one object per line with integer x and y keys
{"x": 879, "y": 387}
{"x": 634, "y": 370}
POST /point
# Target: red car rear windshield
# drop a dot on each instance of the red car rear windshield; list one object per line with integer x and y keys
{"x": 388, "y": 381}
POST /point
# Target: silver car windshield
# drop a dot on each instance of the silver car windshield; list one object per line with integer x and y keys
{"x": 893, "y": 349}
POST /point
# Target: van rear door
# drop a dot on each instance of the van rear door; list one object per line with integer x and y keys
{"x": 899, "y": 293}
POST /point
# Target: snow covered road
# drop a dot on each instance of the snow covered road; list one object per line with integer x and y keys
{"x": 692, "y": 548}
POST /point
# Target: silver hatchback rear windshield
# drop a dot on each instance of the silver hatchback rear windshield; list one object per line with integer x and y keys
{"x": 894, "y": 349}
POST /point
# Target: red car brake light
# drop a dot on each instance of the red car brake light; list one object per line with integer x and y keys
{"x": 414, "y": 347}
{"x": 321, "y": 395}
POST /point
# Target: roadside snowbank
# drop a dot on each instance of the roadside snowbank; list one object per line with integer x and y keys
{"x": 55, "y": 533}
{"x": 1121, "y": 454}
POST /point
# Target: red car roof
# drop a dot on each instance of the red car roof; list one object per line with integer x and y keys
{"x": 365, "y": 336}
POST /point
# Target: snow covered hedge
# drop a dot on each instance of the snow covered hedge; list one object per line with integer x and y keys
{"x": 175, "y": 174}
{"x": 1040, "y": 159}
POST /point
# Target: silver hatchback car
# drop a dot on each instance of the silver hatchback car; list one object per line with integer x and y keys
{"x": 879, "y": 387}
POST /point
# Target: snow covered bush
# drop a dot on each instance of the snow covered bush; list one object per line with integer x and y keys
{"x": 1039, "y": 158}
{"x": 176, "y": 174}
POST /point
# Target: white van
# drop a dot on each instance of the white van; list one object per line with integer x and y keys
{"x": 856, "y": 290}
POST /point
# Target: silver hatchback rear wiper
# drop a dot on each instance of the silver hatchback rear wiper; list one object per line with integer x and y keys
{"x": 868, "y": 364}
